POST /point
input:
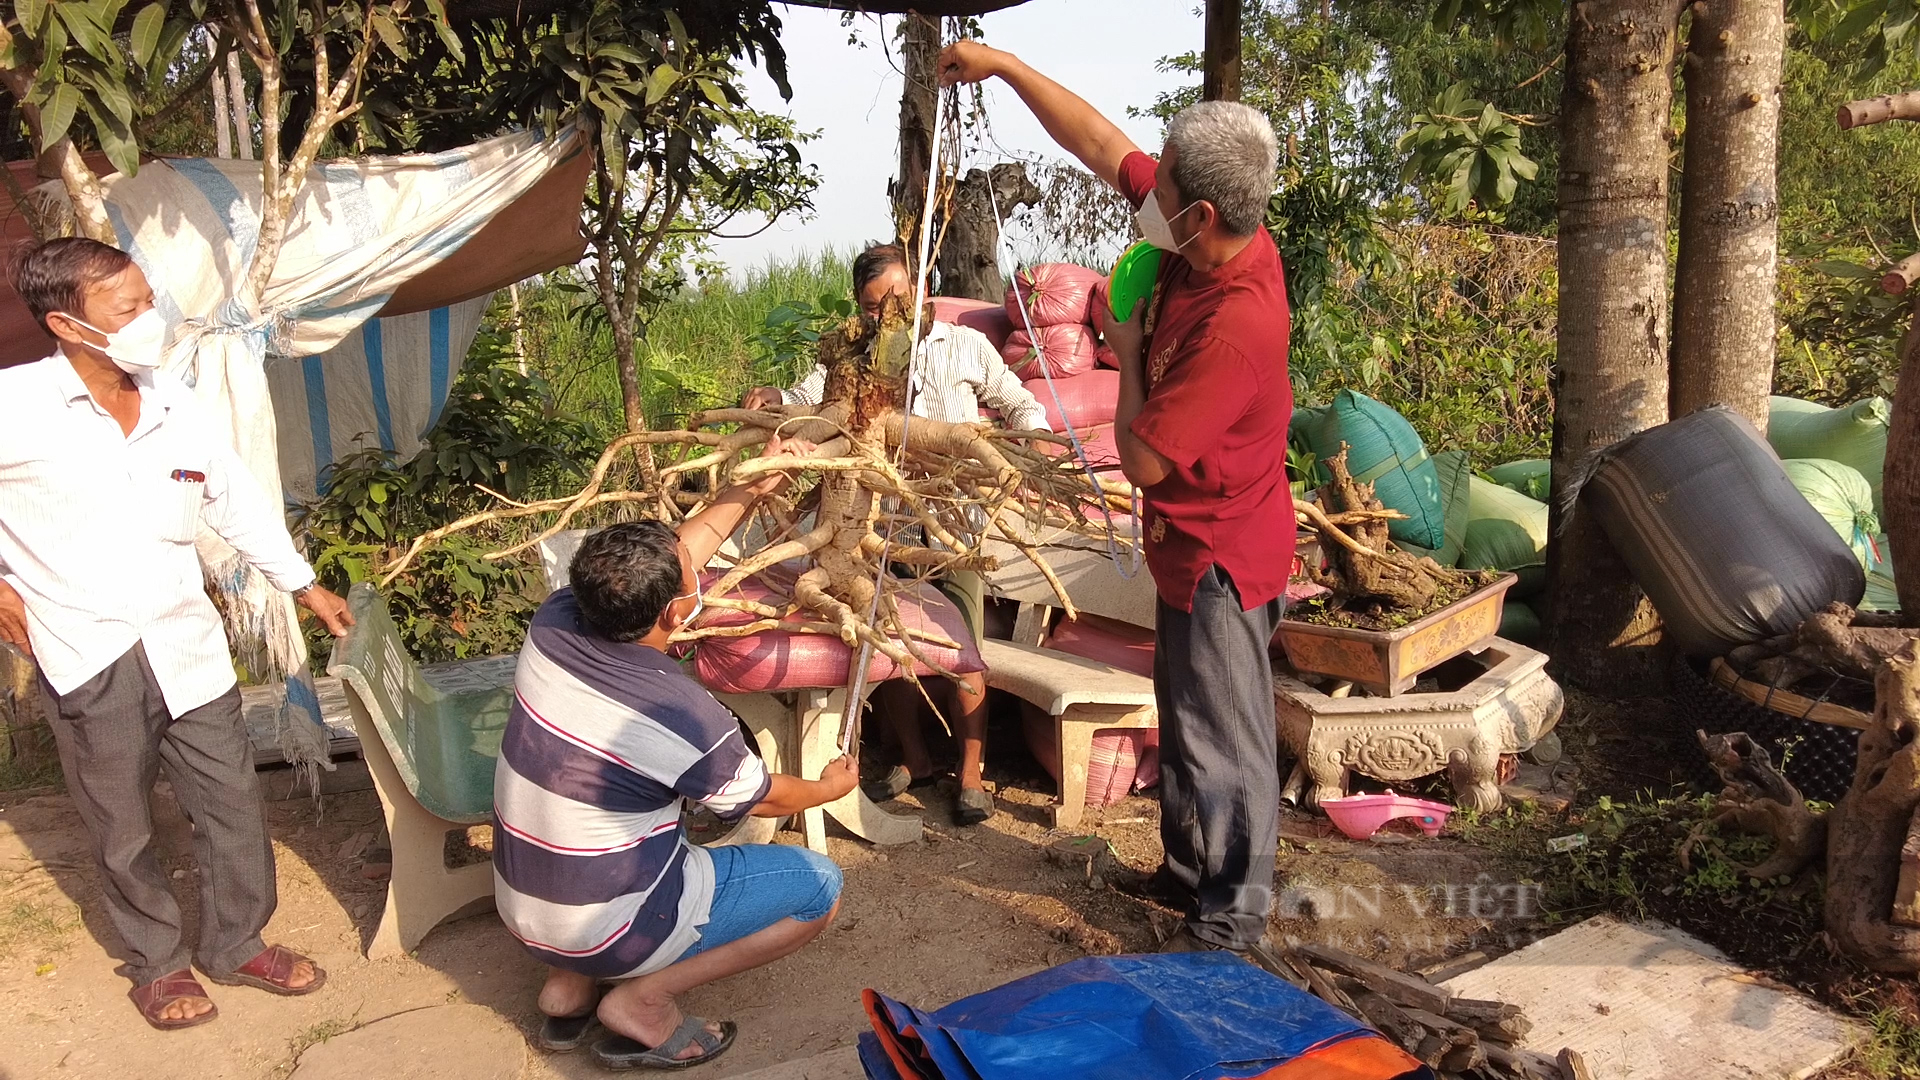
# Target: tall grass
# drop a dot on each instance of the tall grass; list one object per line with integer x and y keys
{"x": 697, "y": 351}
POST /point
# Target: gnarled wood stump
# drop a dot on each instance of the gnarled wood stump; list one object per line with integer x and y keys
{"x": 1869, "y": 827}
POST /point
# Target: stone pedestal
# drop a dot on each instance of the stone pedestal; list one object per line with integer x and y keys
{"x": 1505, "y": 710}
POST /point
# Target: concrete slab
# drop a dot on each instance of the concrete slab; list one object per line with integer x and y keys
{"x": 841, "y": 1064}
{"x": 444, "y": 1042}
{"x": 1647, "y": 1000}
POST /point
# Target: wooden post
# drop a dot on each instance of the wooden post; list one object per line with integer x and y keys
{"x": 1220, "y": 77}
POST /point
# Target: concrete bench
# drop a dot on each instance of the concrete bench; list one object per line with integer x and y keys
{"x": 1082, "y": 696}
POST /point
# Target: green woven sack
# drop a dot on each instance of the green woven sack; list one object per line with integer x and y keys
{"x": 1855, "y": 435}
{"x": 1505, "y": 529}
{"x": 1385, "y": 451}
{"x": 1883, "y": 594}
{"x": 1456, "y": 496}
{"x": 1520, "y": 623}
{"x": 1532, "y": 477}
{"x": 1843, "y": 497}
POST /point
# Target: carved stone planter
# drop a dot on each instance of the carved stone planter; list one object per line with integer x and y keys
{"x": 1389, "y": 662}
{"x": 1504, "y": 710}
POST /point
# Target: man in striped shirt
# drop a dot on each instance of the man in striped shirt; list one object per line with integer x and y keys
{"x": 957, "y": 372}
{"x": 606, "y": 738}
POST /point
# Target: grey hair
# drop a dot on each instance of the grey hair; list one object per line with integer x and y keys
{"x": 1225, "y": 153}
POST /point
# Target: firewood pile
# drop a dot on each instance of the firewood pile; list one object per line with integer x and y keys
{"x": 1457, "y": 1037}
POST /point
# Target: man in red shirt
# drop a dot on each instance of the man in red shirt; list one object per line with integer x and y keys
{"x": 1202, "y": 431}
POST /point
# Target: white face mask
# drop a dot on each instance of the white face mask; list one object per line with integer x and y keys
{"x": 136, "y": 347}
{"x": 1156, "y": 228}
{"x": 699, "y": 603}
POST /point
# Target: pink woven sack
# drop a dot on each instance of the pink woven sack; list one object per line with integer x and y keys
{"x": 1123, "y": 759}
{"x": 983, "y": 315}
{"x": 1054, "y": 294}
{"x": 772, "y": 660}
{"x": 1089, "y": 399}
{"x": 1067, "y": 350}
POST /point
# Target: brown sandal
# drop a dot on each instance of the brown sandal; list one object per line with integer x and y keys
{"x": 270, "y": 971}
{"x": 153, "y": 998}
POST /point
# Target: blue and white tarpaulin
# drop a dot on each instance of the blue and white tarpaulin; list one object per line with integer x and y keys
{"x": 358, "y": 230}
{"x": 383, "y": 386}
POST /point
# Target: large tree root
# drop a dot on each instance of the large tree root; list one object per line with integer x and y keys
{"x": 878, "y": 478}
{"x": 1838, "y": 639}
{"x": 1869, "y": 826}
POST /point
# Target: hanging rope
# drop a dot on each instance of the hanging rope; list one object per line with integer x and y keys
{"x": 945, "y": 121}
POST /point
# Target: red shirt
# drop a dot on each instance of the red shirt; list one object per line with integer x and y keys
{"x": 1218, "y": 404}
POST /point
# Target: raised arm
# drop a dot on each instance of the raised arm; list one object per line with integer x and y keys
{"x": 1077, "y": 126}
{"x": 704, "y": 532}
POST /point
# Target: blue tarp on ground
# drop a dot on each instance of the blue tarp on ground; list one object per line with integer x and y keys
{"x": 1161, "y": 1017}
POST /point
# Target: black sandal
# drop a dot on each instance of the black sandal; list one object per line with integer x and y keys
{"x": 621, "y": 1052}
{"x": 565, "y": 1034}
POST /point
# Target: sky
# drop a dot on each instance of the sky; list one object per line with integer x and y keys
{"x": 1104, "y": 50}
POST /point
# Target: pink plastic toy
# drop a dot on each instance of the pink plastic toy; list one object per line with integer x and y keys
{"x": 1360, "y": 816}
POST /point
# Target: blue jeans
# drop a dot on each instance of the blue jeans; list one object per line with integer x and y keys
{"x": 757, "y": 885}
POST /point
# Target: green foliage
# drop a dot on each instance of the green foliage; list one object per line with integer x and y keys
{"x": 785, "y": 343}
{"x": 1459, "y": 338}
{"x": 501, "y": 429}
{"x": 97, "y": 68}
{"x": 1470, "y": 148}
{"x": 704, "y": 347}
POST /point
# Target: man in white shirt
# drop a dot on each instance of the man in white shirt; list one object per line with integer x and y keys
{"x": 106, "y": 474}
{"x": 956, "y": 373}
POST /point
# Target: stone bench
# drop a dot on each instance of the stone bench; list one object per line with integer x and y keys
{"x": 1082, "y": 696}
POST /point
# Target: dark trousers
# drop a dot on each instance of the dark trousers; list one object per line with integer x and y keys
{"x": 115, "y": 736}
{"x": 1219, "y": 775}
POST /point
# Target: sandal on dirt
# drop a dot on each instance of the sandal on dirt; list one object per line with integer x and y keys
{"x": 972, "y": 807}
{"x": 621, "y": 1052}
{"x": 565, "y": 1034}
{"x": 896, "y": 783}
{"x": 153, "y": 998}
{"x": 270, "y": 971}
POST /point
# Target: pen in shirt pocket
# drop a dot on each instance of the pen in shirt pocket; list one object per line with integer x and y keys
{"x": 188, "y": 476}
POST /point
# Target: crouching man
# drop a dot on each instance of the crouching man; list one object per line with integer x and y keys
{"x": 593, "y": 871}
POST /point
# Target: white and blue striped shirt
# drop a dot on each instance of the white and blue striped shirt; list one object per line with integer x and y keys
{"x": 592, "y": 871}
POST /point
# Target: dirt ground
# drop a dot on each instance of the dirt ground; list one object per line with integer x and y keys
{"x": 956, "y": 913}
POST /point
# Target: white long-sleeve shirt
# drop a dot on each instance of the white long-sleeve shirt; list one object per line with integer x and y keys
{"x": 957, "y": 372}
{"x": 97, "y": 536}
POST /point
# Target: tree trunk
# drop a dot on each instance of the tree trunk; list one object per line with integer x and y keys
{"x": 919, "y": 105}
{"x": 242, "y": 118}
{"x": 1869, "y": 826}
{"x": 1220, "y": 68}
{"x": 1611, "y": 377}
{"x": 1723, "y": 307}
{"x": 968, "y": 260}
{"x": 1901, "y": 485}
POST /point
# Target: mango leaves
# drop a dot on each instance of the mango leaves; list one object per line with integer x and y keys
{"x": 1470, "y": 149}
{"x": 98, "y": 59}
{"x": 1873, "y": 31}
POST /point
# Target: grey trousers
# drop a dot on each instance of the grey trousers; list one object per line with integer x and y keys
{"x": 1219, "y": 773}
{"x": 115, "y": 736}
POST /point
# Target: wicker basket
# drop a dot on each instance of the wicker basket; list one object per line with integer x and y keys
{"x": 1819, "y": 756}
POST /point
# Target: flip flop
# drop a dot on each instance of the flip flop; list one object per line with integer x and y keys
{"x": 269, "y": 971}
{"x": 972, "y": 807}
{"x": 621, "y": 1052}
{"x": 155, "y": 996}
{"x": 565, "y": 1034}
{"x": 897, "y": 781}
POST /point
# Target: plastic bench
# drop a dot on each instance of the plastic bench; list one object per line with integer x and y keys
{"x": 1083, "y": 696}
{"x": 430, "y": 737}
